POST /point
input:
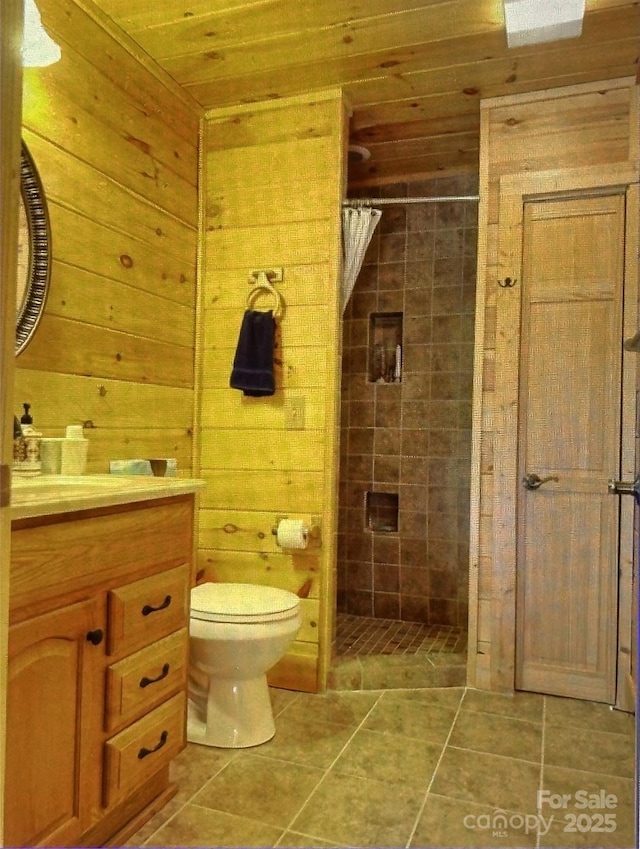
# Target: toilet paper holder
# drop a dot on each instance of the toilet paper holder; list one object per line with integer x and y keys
{"x": 314, "y": 533}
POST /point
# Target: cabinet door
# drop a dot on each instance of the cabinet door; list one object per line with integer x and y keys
{"x": 54, "y": 674}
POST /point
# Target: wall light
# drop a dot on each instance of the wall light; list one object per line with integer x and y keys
{"x": 533, "y": 21}
{"x": 38, "y": 48}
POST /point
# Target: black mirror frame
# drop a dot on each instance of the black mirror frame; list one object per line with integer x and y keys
{"x": 39, "y": 268}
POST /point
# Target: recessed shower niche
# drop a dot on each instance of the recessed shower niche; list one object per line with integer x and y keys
{"x": 385, "y": 347}
{"x": 382, "y": 512}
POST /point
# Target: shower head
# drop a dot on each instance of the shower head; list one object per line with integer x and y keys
{"x": 357, "y": 154}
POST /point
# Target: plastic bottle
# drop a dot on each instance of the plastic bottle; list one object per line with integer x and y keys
{"x": 73, "y": 458}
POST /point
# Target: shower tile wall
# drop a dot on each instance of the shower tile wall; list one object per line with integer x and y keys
{"x": 411, "y": 438}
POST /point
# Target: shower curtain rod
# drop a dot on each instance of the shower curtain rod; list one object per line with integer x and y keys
{"x": 384, "y": 201}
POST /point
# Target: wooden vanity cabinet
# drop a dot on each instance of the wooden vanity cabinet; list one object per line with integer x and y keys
{"x": 53, "y": 721}
{"x": 98, "y": 652}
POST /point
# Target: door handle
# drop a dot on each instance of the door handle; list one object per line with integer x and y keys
{"x": 533, "y": 481}
{"x": 625, "y": 488}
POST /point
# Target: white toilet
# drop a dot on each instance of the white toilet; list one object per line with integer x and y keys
{"x": 237, "y": 633}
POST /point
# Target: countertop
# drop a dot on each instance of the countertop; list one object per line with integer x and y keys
{"x": 47, "y": 495}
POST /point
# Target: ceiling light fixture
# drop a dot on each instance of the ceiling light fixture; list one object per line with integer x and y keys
{"x": 38, "y": 48}
{"x": 534, "y": 21}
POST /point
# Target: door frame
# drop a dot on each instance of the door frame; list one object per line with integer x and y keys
{"x": 11, "y": 18}
{"x": 515, "y": 191}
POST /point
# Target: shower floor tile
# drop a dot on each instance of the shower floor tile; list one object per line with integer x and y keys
{"x": 364, "y": 635}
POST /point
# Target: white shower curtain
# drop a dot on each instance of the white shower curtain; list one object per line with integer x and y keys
{"x": 358, "y": 225}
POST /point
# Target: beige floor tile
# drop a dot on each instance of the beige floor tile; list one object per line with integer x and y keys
{"x": 343, "y": 708}
{"x": 581, "y": 787}
{"x": 452, "y": 823}
{"x": 305, "y": 740}
{"x": 265, "y": 789}
{"x": 449, "y": 697}
{"x": 499, "y": 735}
{"x": 351, "y": 811}
{"x": 591, "y": 832}
{"x": 195, "y": 765}
{"x": 398, "y": 760}
{"x": 281, "y": 699}
{"x": 191, "y": 770}
{"x": 196, "y": 826}
{"x": 572, "y": 712}
{"x": 408, "y": 718}
{"x": 488, "y": 780}
{"x": 586, "y": 749}
{"x": 303, "y": 841}
{"x": 519, "y": 705}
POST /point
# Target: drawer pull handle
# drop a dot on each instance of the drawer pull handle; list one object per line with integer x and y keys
{"x": 147, "y": 609}
{"x": 163, "y": 739}
{"x": 144, "y": 682}
{"x": 95, "y": 637}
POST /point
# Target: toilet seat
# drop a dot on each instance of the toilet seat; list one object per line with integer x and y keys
{"x": 241, "y": 603}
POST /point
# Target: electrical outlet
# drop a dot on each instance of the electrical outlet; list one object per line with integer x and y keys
{"x": 294, "y": 413}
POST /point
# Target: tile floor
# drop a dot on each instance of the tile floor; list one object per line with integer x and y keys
{"x": 377, "y": 654}
{"x": 364, "y": 635}
{"x": 411, "y": 768}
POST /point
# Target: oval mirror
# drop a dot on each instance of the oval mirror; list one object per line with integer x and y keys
{"x": 34, "y": 252}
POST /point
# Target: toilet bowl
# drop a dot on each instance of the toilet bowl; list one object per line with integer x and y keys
{"x": 237, "y": 633}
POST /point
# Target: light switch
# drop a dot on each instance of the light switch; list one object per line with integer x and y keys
{"x": 294, "y": 413}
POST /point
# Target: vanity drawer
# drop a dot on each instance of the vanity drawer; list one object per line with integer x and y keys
{"x": 136, "y": 753}
{"x": 146, "y": 610}
{"x": 146, "y": 678}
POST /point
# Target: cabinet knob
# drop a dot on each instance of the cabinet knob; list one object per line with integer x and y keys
{"x": 95, "y": 637}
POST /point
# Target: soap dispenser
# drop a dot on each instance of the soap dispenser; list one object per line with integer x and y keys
{"x": 19, "y": 445}
{"x": 28, "y": 462}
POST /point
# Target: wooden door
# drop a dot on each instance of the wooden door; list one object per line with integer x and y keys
{"x": 569, "y": 402}
{"x": 52, "y": 677}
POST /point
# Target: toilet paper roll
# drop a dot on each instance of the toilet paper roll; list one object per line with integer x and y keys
{"x": 292, "y": 533}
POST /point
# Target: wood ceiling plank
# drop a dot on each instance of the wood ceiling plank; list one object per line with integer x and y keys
{"x": 491, "y": 76}
{"x": 405, "y": 149}
{"x": 257, "y": 23}
{"x": 413, "y": 168}
{"x": 416, "y": 129}
{"x": 391, "y": 65}
{"x": 134, "y": 15}
{"x": 434, "y": 23}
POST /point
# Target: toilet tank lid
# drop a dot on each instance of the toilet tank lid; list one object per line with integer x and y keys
{"x": 241, "y": 599}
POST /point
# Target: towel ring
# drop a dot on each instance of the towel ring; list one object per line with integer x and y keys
{"x": 261, "y": 287}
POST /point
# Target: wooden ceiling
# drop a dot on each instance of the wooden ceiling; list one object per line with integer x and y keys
{"x": 413, "y": 70}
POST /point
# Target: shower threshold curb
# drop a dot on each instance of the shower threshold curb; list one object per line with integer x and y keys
{"x": 387, "y": 672}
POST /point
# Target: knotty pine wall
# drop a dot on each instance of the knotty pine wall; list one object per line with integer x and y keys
{"x": 117, "y": 152}
{"x": 273, "y": 183}
{"x": 566, "y": 128}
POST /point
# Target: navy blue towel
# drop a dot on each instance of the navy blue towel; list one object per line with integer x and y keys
{"x": 253, "y": 363}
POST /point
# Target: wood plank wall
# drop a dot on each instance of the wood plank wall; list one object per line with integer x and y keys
{"x": 117, "y": 152}
{"x": 273, "y": 182}
{"x": 590, "y": 125}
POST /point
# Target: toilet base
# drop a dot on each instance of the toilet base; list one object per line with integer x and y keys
{"x": 233, "y": 714}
